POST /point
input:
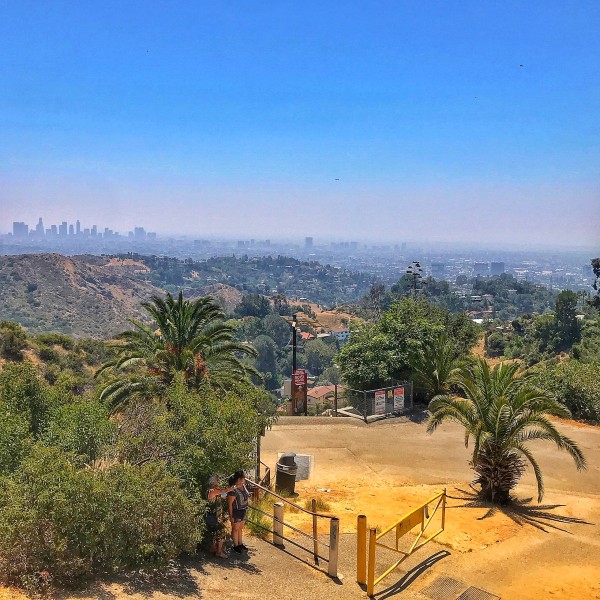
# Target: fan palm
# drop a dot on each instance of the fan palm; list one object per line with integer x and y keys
{"x": 187, "y": 337}
{"x": 502, "y": 411}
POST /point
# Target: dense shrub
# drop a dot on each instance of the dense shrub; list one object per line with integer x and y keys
{"x": 14, "y": 441}
{"x": 575, "y": 384}
{"x": 62, "y": 523}
{"x": 23, "y": 392}
{"x": 13, "y": 340}
{"x": 81, "y": 427}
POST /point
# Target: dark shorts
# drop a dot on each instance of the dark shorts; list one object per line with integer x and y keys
{"x": 239, "y": 515}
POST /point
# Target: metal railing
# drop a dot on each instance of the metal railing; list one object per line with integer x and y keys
{"x": 421, "y": 516}
{"x": 279, "y": 523}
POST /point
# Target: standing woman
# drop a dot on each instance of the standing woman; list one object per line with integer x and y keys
{"x": 216, "y": 515}
{"x": 238, "y": 505}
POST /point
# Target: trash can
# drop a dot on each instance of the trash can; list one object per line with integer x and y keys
{"x": 285, "y": 478}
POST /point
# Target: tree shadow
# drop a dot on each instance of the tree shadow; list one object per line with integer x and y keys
{"x": 411, "y": 576}
{"x": 521, "y": 510}
{"x": 176, "y": 582}
{"x": 233, "y": 561}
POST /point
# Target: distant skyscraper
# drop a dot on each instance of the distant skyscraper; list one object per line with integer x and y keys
{"x": 139, "y": 233}
{"x": 308, "y": 242}
{"x": 39, "y": 229}
{"x": 71, "y": 229}
{"x": 62, "y": 229}
{"x": 20, "y": 229}
{"x": 496, "y": 268}
{"x": 78, "y": 227}
{"x": 481, "y": 268}
{"x": 94, "y": 231}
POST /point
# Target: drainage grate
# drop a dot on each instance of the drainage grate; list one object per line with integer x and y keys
{"x": 444, "y": 588}
{"x": 474, "y": 593}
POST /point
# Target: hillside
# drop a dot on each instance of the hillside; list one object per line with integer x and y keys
{"x": 82, "y": 295}
{"x": 51, "y": 292}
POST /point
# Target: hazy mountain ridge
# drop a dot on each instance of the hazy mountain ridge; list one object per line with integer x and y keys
{"x": 81, "y": 295}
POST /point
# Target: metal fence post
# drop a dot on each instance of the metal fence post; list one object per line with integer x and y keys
{"x": 361, "y": 550}
{"x": 371, "y": 568}
{"x": 278, "y": 510}
{"x": 334, "y": 546}
{"x": 314, "y": 532}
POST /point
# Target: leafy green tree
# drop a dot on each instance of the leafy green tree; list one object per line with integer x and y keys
{"x": 501, "y": 413}
{"x": 568, "y": 330}
{"x": 253, "y": 305}
{"x": 595, "y": 301}
{"x": 266, "y": 361}
{"x": 188, "y": 337}
{"x": 378, "y": 353}
{"x": 495, "y": 344}
{"x": 319, "y": 355}
{"x": 277, "y": 329}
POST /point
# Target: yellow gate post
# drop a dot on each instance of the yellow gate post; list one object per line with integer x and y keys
{"x": 371, "y": 573}
{"x": 361, "y": 550}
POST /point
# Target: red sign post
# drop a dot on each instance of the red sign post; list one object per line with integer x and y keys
{"x": 299, "y": 392}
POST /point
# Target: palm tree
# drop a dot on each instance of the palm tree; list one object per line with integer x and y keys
{"x": 436, "y": 366}
{"x": 502, "y": 411}
{"x": 187, "y": 337}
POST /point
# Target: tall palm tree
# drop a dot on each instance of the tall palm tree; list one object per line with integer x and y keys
{"x": 502, "y": 411}
{"x": 187, "y": 337}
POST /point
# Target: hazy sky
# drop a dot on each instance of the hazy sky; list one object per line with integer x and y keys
{"x": 466, "y": 120}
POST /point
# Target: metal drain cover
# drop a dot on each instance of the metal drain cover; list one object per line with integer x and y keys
{"x": 444, "y": 588}
{"x": 474, "y": 593}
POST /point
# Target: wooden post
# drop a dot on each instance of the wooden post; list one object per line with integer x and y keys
{"x": 314, "y": 532}
{"x": 335, "y": 401}
{"x": 278, "y": 514}
{"x": 371, "y": 567}
{"x": 361, "y": 550}
{"x": 334, "y": 546}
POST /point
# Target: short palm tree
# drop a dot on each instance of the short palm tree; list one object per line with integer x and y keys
{"x": 436, "y": 366}
{"x": 502, "y": 411}
{"x": 187, "y": 337}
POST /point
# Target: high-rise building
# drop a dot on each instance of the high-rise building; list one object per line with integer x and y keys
{"x": 481, "y": 269}
{"x": 62, "y": 229}
{"x": 94, "y": 231}
{"x": 308, "y": 242}
{"x": 39, "y": 229}
{"x": 71, "y": 229}
{"x": 77, "y": 227}
{"x": 139, "y": 233}
{"x": 496, "y": 268}
{"x": 20, "y": 229}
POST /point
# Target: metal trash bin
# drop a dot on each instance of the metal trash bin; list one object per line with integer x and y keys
{"x": 285, "y": 477}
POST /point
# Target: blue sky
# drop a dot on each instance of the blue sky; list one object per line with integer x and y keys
{"x": 359, "y": 119}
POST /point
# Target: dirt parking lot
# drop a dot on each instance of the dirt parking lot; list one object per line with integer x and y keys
{"x": 384, "y": 469}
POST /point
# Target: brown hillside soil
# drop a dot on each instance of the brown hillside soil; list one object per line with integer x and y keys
{"x": 329, "y": 320}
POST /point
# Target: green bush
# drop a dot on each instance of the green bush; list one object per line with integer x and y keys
{"x": 575, "y": 384}
{"x": 60, "y": 523}
{"x": 14, "y": 441}
{"x": 13, "y": 340}
{"x": 22, "y": 391}
{"x": 81, "y": 427}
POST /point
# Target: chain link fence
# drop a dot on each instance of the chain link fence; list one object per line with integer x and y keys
{"x": 380, "y": 403}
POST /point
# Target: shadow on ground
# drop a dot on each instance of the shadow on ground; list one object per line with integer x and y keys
{"x": 411, "y": 576}
{"x": 521, "y": 511}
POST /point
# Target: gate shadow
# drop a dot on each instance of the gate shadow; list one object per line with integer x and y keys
{"x": 411, "y": 576}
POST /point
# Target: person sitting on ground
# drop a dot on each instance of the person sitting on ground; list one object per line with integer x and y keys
{"x": 238, "y": 505}
{"x": 217, "y": 515}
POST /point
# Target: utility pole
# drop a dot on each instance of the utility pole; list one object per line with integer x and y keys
{"x": 294, "y": 323}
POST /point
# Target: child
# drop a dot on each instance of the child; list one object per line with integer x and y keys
{"x": 238, "y": 505}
